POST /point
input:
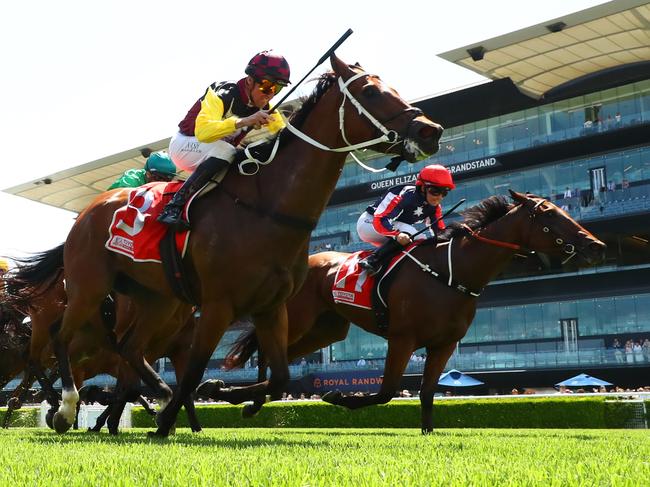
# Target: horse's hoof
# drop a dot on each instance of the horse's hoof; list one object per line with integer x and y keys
{"x": 48, "y": 419}
{"x": 332, "y": 397}
{"x": 249, "y": 410}
{"x": 114, "y": 432}
{"x": 427, "y": 430}
{"x": 156, "y": 435}
{"x": 60, "y": 424}
{"x": 93, "y": 430}
{"x": 210, "y": 388}
{"x": 200, "y": 430}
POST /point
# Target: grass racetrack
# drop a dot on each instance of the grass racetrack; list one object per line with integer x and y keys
{"x": 308, "y": 457}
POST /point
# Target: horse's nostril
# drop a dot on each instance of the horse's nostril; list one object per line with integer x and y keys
{"x": 426, "y": 132}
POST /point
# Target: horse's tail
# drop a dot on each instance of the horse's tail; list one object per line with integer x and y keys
{"x": 245, "y": 346}
{"x": 34, "y": 277}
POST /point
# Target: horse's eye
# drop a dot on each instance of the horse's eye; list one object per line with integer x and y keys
{"x": 370, "y": 91}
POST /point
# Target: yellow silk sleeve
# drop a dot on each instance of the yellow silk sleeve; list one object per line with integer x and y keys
{"x": 210, "y": 124}
{"x": 276, "y": 124}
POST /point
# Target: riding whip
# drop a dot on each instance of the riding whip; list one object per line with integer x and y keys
{"x": 439, "y": 218}
{"x": 329, "y": 52}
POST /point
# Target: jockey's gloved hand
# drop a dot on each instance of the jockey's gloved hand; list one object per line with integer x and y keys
{"x": 403, "y": 239}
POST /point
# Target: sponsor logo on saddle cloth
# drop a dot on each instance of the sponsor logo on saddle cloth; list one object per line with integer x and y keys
{"x": 134, "y": 231}
{"x": 353, "y": 285}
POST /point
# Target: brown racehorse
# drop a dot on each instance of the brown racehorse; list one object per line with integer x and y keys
{"x": 248, "y": 250}
{"x": 37, "y": 288}
{"x": 14, "y": 343}
{"x": 425, "y": 311}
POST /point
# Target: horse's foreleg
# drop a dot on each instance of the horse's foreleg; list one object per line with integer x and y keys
{"x": 271, "y": 329}
{"x": 433, "y": 367}
{"x": 101, "y": 420}
{"x": 17, "y": 398}
{"x": 131, "y": 350}
{"x": 179, "y": 361}
{"x": 399, "y": 352}
{"x": 191, "y": 414}
{"x": 215, "y": 318}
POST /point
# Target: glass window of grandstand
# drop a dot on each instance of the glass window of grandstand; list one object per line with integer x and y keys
{"x": 606, "y": 110}
{"x": 543, "y": 334}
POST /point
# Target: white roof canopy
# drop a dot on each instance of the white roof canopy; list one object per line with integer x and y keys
{"x": 547, "y": 55}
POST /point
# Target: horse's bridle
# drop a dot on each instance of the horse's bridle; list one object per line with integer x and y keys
{"x": 567, "y": 248}
{"x": 387, "y": 135}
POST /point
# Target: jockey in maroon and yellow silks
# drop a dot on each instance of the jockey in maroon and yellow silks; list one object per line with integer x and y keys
{"x": 206, "y": 142}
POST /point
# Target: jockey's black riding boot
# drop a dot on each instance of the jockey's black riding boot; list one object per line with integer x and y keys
{"x": 374, "y": 261}
{"x": 172, "y": 214}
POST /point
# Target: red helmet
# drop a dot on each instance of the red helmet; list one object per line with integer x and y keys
{"x": 435, "y": 175}
{"x": 271, "y": 66}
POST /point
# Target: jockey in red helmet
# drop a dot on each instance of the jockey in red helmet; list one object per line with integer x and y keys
{"x": 215, "y": 125}
{"x": 388, "y": 222}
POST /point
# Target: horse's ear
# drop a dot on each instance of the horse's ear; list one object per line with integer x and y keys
{"x": 340, "y": 68}
{"x": 518, "y": 197}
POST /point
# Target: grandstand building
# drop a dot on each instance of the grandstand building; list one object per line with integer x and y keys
{"x": 565, "y": 115}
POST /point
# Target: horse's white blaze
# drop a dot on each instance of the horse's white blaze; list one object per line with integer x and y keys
{"x": 68, "y": 407}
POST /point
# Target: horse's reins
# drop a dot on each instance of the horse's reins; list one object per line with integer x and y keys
{"x": 568, "y": 248}
{"x": 388, "y": 135}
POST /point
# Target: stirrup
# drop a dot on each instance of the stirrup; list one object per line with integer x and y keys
{"x": 369, "y": 267}
{"x": 173, "y": 217}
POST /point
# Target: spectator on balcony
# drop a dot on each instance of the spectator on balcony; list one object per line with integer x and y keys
{"x": 611, "y": 186}
{"x": 618, "y": 353}
{"x": 568, "y": 193}
{"x": 361, "y": 362}
{"x": 629, "y": 352}
{"x": 625, "y": 184}
{"x": 638, "y": 352}
{"x": 646, "y": 349}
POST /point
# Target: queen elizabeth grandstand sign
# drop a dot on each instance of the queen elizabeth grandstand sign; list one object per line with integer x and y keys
{"x": 367, "y": 190}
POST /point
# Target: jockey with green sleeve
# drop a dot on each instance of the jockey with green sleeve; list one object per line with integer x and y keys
{"x": 206, "y": 142}
{"x": 159, "y": 167}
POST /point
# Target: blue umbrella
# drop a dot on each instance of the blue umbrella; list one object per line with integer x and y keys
{"x": 583, "y": 380}
{"x": 454, "y": 378}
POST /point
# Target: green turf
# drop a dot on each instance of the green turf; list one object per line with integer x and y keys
{"x": 303, "y": 457}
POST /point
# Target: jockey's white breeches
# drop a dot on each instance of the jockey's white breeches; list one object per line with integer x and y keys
{"x": 187, "y": 152}
{"x": 367, "y": 231}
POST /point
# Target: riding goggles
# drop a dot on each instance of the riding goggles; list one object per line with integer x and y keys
{"x": 437, "y": 191}
{"x": 269, "y": 87}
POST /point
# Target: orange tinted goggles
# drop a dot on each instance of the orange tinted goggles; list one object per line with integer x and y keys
{"x": 269, "y": 87}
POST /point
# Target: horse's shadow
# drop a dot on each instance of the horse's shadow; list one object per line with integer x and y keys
{"x": 182, "y": 438}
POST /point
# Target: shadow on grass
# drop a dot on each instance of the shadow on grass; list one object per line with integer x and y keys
{"x": 183, "y": 438}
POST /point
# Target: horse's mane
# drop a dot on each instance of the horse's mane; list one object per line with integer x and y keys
{"x": 297, "y": 118}
{"x": 324, "y": 82}
{"x": 478, "y": 216}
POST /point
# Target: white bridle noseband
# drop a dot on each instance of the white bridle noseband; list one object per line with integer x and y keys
{"x": 389, "y": 136}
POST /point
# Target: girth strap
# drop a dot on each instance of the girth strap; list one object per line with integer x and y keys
{"x": 287, "y": 220}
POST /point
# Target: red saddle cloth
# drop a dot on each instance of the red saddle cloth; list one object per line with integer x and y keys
{"x": 134, "y": 231}
{"x": 352, "y": 284}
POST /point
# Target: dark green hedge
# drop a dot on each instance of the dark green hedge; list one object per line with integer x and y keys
{"x": 23, "y": 418}
{"x": 483, "y": 413}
